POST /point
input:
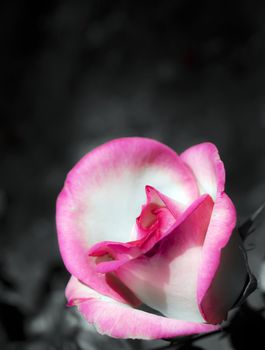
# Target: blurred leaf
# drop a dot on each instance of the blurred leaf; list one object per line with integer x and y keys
{"x": 262, "y": 277}
{"x": 5, "y": 280}
{"x": 247, "y": 328}
{"x": 251, "y": 223}
{"x": 250, "y": 285}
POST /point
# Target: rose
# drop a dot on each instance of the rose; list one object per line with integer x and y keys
{"x": 138, "y": 224}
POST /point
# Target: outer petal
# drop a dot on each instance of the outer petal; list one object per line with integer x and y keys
{"x": 74, "y": 252}
{"x": 103, "y": 194}
{"x": 221, "y": 226}
{"x": 122, "y": 321}
{"x": 229, "y": 282}
{"x": 165, "y": 278}
{"x": 214, "y": 296}
{"x": 208, "y": 169}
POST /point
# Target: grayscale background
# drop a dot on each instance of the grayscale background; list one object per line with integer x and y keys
{"x": 74, "y": 74}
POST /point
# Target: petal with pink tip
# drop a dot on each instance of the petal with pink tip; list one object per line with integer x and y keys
{"x": 73, "y": 248}
{"x": 124, "y": 252}
{"x": 122, "y": 321}
{"x": 214, "y": 302}
{"x": 103, "y": 195}
{"x": 165, "y": 278}
{"x": 228, "y": 283}
{"x": 153, "y": 195}
{"x": 204, "y": 160}
{"x": 153, "y": 223}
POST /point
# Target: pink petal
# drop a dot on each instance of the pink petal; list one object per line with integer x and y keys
{"x": 165, "y": 278}
{"x": 154, "y": 221}
{"x": 103, "y": 195}
{"x": 208, "y": 169}
{"x": 215, "y": 302}
{"x": 154, "y": 196}
{"x": 124, "y": 252}
{"x": 74, "y": 251}
{"x": 122, "y": 321}
{"x": 228, "y": 283}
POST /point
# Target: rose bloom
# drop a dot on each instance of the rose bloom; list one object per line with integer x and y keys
{"x": 140, "y": 225}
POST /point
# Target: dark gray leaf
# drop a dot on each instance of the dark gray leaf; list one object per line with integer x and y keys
{"x": 251, "y": 223}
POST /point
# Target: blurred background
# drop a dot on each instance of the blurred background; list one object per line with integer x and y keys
{"x": 74, "y": 74}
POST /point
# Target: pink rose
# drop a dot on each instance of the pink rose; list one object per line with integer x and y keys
{"x": 139, "y": 224}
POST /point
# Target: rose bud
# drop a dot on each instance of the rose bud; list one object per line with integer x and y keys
{"x": 140, "y": 225}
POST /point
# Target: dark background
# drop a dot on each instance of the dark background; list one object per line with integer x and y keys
{"x": 74, "y": 74}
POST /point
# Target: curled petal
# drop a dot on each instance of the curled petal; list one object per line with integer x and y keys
{"x": 220, "y": 229}
{"x": 204, "y": 160}
{"x": 214, "y": 296}
{"x": 125, "y": 252}
{"x": 153, "y": 223}
{"x": 230, "y": 282}
{"x": 165, "y": 278}
{"x": 121, "y": 321}
{"x": 155, "y": 196}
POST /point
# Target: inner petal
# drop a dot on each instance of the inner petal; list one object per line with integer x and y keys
{"x": 165, "y": 278}
{"x": 147, "y": 217}
{"x": 151, "y": 225}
